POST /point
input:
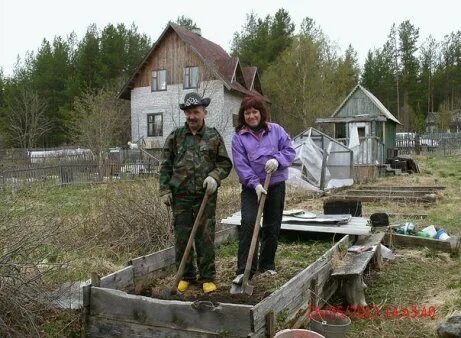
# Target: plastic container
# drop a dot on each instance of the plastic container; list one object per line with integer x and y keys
{"x": 330, "y": 324}
{"x": 423, "y": 234}
{"x": 298, "y": 333}
{"x": 442, "y": 235}
{"x": 406, "y": 229}
{"x": 430, "y": 230}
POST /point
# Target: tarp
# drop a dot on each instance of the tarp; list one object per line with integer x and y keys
{"x": 311, "y": 146}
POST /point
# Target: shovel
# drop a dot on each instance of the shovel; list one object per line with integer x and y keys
{"x": 166, "y": 294}
{"x": 245, "y": 287}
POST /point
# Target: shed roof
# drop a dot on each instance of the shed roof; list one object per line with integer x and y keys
{"x": 213, "y": 56}
{"x": 384, "y": 111}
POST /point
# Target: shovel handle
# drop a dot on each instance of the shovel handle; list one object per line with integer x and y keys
{"x": 254, "y": 239}
{"x": 182, "y": 265}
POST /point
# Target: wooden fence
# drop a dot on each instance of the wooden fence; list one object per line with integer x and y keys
{"x": 77, "y": 173}
{"x": 444, "y": 144}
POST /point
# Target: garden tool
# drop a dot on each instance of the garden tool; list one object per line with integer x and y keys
{"x": 172, "y": 292}
{"x": 245, "y": 287}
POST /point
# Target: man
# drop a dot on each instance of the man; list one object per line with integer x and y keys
{"x": 194, "y": 161}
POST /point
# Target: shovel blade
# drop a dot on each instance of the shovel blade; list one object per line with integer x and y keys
{"x": 240, "y": 289}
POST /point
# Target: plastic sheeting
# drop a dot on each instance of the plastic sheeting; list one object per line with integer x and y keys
{"x": 306, "y": 172}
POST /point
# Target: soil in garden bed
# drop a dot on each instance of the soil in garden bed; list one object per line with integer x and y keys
{"x": 291, "y": 258}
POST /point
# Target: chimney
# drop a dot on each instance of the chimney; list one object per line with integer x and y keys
{"x": 197, "y": 31}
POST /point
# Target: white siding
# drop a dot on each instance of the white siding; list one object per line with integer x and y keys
{"x": 144, "y": 101}
{"x": 232, "y": 102}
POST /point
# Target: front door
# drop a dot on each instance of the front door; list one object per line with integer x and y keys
{"x": 360, "y": 142}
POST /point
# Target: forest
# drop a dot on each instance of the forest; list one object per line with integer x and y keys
{"x": 44, "y": 103}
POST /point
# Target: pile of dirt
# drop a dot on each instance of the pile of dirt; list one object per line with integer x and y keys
{"x": 292, "y": 257}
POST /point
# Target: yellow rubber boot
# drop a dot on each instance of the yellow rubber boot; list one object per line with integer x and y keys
{"x": 183, "y": 285}
{"x": 209, "y": 287}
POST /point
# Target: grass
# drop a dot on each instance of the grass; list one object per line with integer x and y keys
{"x": 421, "y": 278}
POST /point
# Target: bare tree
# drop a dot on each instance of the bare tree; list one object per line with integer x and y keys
{"x": 26, "y": 119}
{"x": 99, "y": 121}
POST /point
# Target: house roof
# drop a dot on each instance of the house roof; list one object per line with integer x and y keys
{"x": 249, "y": 74}
{"x": 213, "y": 56}
{"x": 373, "y": 98}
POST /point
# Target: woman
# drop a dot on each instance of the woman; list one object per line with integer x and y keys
{"x": 258, "y": 148}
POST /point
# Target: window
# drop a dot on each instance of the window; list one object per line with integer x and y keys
{"x": 155, "y": 124}
{"x": 158, "y": 80}
{"x": 191, "y": 77}
{"x": 340, "y": 130}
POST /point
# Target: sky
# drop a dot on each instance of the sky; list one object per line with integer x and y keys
{"x": 363, "y": 23}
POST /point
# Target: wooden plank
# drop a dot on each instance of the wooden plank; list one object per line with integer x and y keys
{"x": 105, "y": 327}
{"x": 380, "y": 187}
{"x": 86, "y": 295}
{"x": 144, "y": 266}
{"x": 380, "y": 192}
{"x": 452, "y": 245}
{"x": 343, "y": 229}
{"x": 353, "y": 264}
{"x": 295, "y": 294}
{"x": 356, "y": 226}
{"x": 270, "y": 324}
{"x": 120, "y": 280}
{"x": 118, "y": 305}
{"x": 356, "y": 263}
{"x": 398, "y": 198}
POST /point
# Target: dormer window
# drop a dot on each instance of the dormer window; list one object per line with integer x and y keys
{"x": 158, "y": 80}
{"x": 191, "y": 77}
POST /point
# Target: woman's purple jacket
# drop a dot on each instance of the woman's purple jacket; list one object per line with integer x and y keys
{"x": 250, "y": 155}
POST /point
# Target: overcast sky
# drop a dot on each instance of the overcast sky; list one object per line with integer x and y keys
{"x": 363, "y": 23}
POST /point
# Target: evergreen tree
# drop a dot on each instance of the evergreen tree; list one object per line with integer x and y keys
{"x": 408, "y": 39}
{"x": 348, "y": 71}
{"x": 88, "y": 65}
{"x": 261, "y": 40}
{"x": 2, "y": 89}
{"x": 137, "y": 46}
{"x": 186, "y": 22}
{"x": 428, "y": 61}
{"x": 112, "y": 51}
{"x": 448, "y": 74}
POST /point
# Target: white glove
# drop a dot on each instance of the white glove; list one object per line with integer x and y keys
{"x": 210, "y": 184}
{"x": 271, "y": 165}
{"x": 167, "y": 199}
{"x": 260, "y": 190}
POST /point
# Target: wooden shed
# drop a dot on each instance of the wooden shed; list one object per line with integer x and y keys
{"x": 365, "y": 125}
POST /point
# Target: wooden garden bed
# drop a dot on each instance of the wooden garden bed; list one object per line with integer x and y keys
{"x": 111, "y": 309}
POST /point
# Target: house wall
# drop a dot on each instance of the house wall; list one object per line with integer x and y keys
{"x": 232, "y": 102}
{"x": 358, "y": 104}
{"x": 171, "y": 54}
{"x": 144, "y": 102}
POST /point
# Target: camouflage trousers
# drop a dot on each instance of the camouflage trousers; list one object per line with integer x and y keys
{"x": 185, "y": 209}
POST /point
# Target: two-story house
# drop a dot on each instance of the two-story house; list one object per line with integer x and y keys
{"x": 181, "y": 61}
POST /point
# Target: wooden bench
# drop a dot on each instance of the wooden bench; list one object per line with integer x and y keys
{"x": 350, "y": 269}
